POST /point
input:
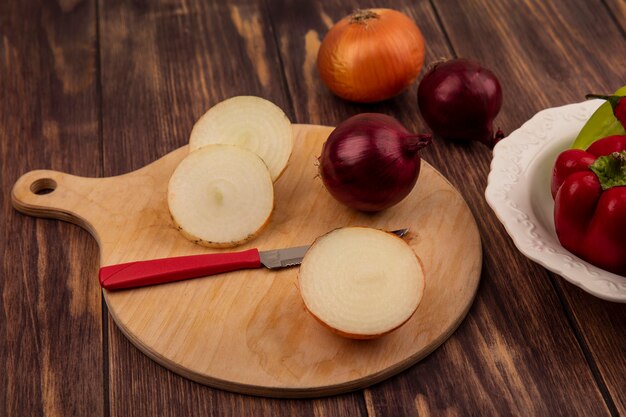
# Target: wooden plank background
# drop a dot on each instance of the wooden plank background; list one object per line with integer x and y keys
{"x": 99, "y": 88}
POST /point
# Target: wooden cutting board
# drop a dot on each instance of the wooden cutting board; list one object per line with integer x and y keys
{"x": 248, "y": 331}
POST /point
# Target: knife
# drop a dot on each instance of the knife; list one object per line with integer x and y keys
{"x": 160, "y": 271}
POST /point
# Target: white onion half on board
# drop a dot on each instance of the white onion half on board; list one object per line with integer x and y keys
{"x": 250, "y": 122}
{"x": 221, "y": 196}
{"x": 360, "y": 282}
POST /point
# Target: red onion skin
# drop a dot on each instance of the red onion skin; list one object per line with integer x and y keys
{"x": 459, "y": 99}
{"x": 370, "y": 162}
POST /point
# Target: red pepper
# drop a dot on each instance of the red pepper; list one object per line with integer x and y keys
{"x": 618, "y": 103}
{"x": 589, "y": 191}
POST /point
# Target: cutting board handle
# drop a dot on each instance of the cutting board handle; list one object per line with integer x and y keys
{"x": 56, "y": 195}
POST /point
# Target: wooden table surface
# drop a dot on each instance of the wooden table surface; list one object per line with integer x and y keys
{"x": 100, "y": 88}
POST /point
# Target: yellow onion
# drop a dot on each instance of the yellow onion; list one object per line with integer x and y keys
{"x": 371, "y": 55}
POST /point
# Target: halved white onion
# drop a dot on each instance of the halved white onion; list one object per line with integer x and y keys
{"x": 361, "y": 282}
{"x": 221, "y": 195}
{"x": 251, "y": 122}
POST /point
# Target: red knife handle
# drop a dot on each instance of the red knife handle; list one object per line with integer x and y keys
{"x": 159, "y": 271}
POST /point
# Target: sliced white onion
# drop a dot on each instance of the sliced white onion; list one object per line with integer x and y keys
{"x": 361, "y": 282}
{"x": 221, "y": 195}
{"x": 251, "y": 122}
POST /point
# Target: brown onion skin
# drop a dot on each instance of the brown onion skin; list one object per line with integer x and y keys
{"x": 370, "y": 162}
{"x": 459, "y": 99}
{"x": 372, "y": 59}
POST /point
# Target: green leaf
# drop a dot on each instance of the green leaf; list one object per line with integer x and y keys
{"x": 611, "y": 170}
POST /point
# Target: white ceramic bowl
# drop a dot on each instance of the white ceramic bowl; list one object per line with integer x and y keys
{"x": 518, "y": 191}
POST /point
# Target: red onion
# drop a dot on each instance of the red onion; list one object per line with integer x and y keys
{"x": 459, "y": 100}
{"x": 371, "y": 162}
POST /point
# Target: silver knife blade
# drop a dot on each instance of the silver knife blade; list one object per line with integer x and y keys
{"x": 282, "y": 258}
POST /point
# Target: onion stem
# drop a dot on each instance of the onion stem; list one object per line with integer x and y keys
{"x": 361, "y": 16}
{"x": 412, "y": 144}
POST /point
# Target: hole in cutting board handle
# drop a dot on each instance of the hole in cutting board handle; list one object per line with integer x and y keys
{"x": 43, "y": 186}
